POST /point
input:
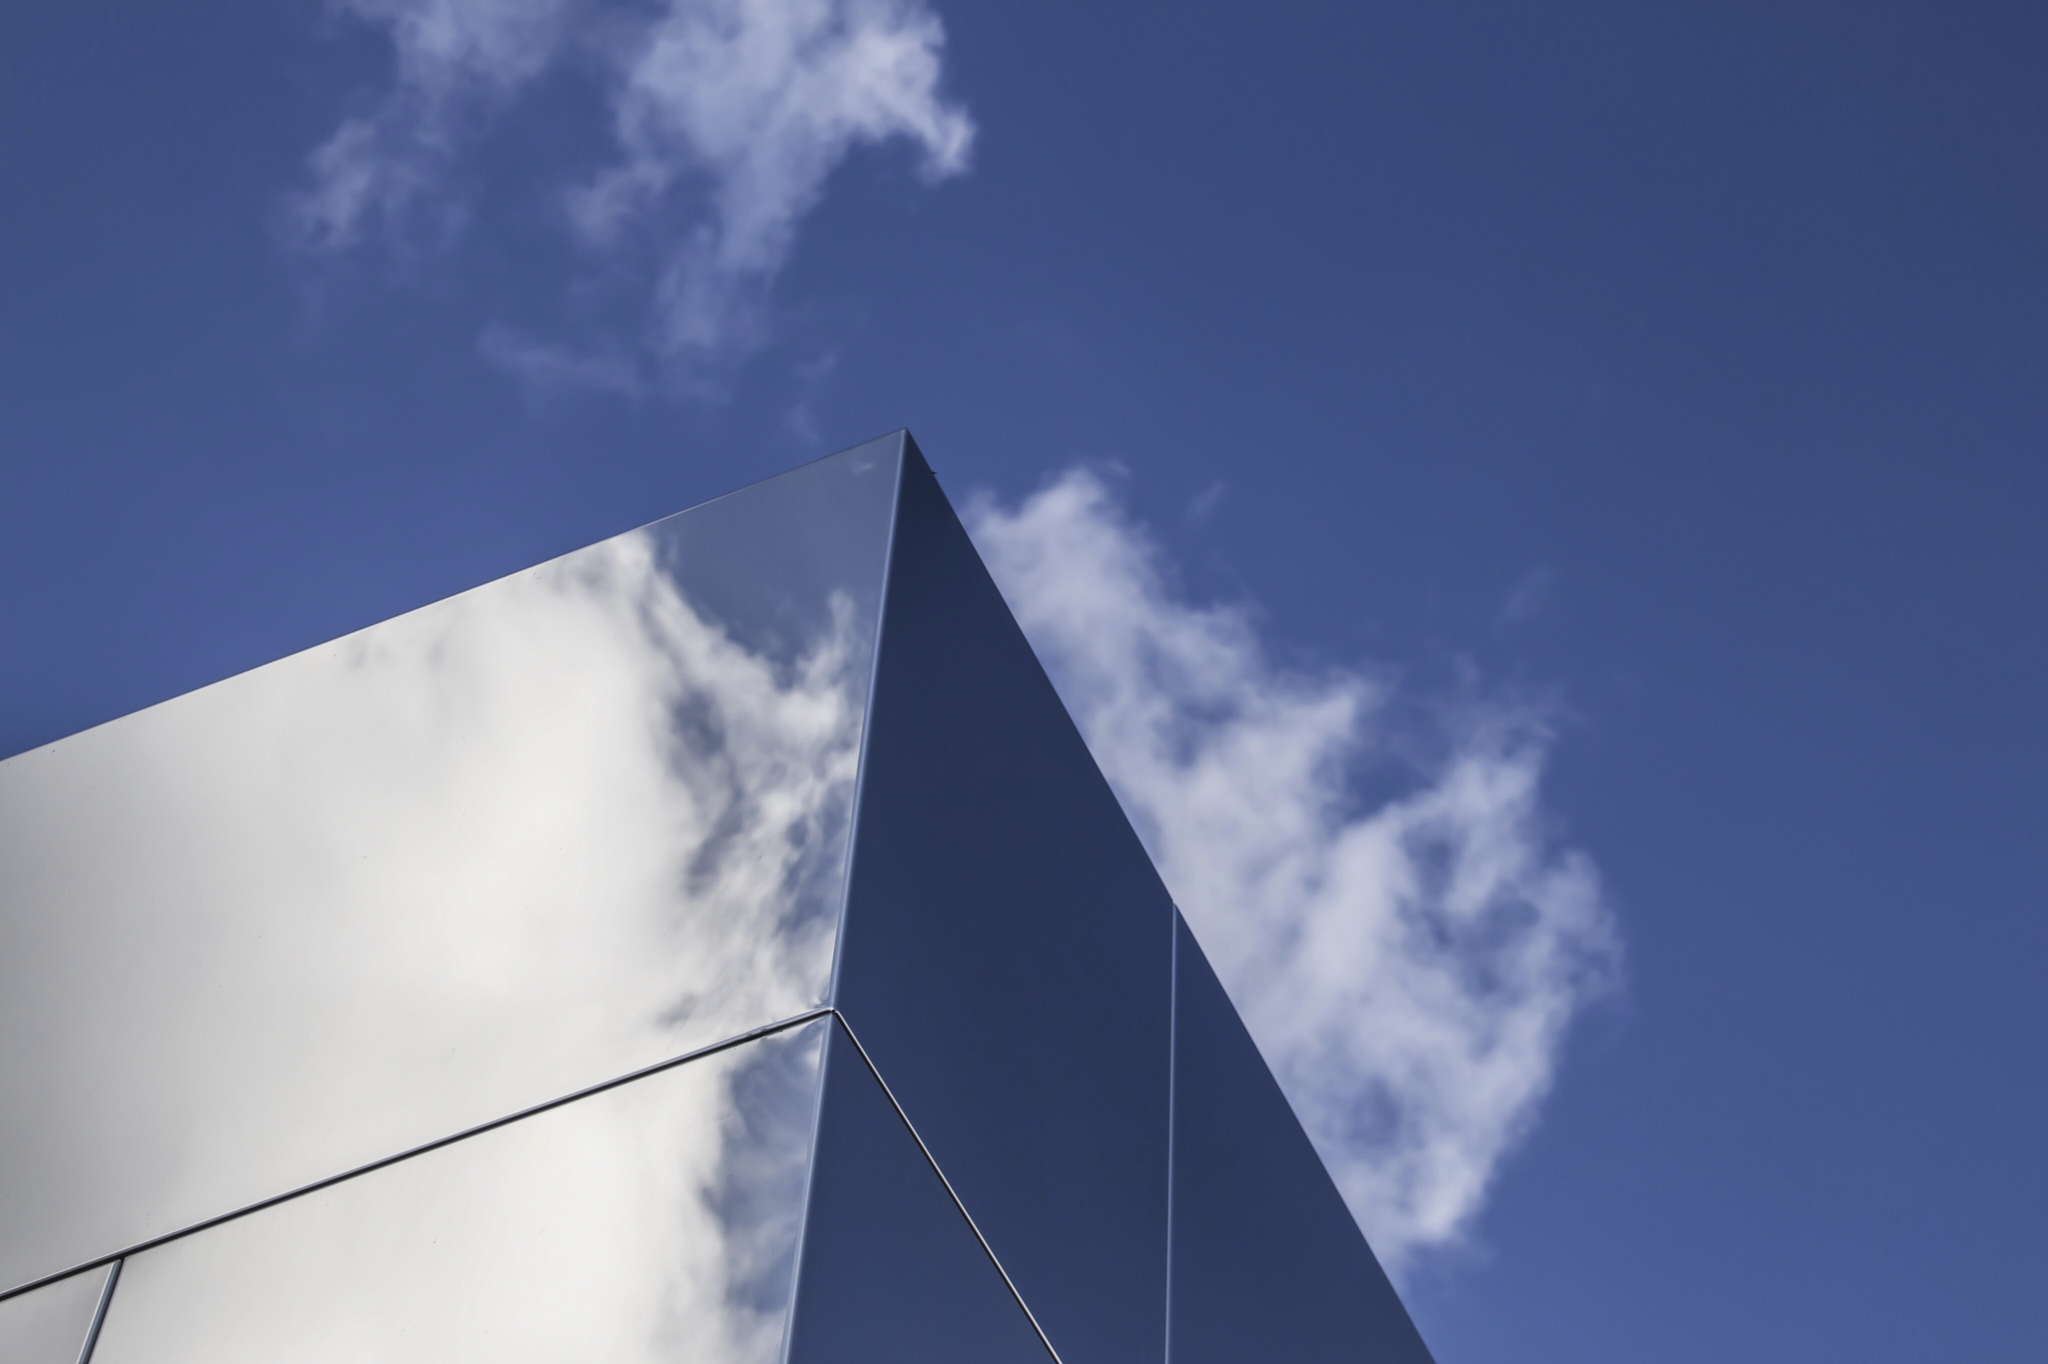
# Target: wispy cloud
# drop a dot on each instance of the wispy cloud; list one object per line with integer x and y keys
{"x": 386, "y": 169}
{"x": 726, "y": 118}
{"x": 758, "y": 100}
{"x": 546, "y": 367}
{"x": 1409, "y": 968}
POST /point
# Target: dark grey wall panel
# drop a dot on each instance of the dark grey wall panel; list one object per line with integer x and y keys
{"x": 48, "y": 1325}
{"x": 1267, "y": 1261}
{"x": 1006, "y": 957}
{"x": 891, "y": 1269}
{"x": 537, "y": 835}
{"x": 654, "y": 1221}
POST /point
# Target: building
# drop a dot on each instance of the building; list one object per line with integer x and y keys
{"x": 715, "y": 944}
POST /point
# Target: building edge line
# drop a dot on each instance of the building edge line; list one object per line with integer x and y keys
{"x": 951, "y": 1193}
{"x": 904, "y": 445}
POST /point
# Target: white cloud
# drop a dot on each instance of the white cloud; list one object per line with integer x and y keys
{"x": 458, "y": 61}
{"x": 759, "y": 100}
{"x": 728, "y": 116}
{"x": 1409, "y": 969}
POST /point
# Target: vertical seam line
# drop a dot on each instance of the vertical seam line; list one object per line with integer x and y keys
{"x": 1172, "y": 1112}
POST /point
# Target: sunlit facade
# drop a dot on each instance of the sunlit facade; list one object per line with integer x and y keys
{"x": 713, "y": 945}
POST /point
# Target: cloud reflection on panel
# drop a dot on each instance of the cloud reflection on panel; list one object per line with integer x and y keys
{"x": 654, "y": 1221}
{"x": 468, "y": 860}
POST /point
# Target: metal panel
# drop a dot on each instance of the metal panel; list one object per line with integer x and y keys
{"x": 656, "y": 1220}
{"x": 50, "y": 1324}
{"x": 539, "y": 834}
{"x": 892, "y": 1270}
{"x": 1006, "y": 958}
{"x": 1267, "y": 1262}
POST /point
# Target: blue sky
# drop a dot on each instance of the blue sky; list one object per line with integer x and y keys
{"x": 1673, "y": 383}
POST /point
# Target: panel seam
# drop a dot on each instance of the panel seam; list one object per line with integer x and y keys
{"x": 668, "y": 1063}
{"x": 951, "y": 1192}
{"x": 1172, "y": 1110}
{"x": 99, "y": 1313}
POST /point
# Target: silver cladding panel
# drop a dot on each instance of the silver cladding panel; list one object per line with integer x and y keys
{"x": 493, "y": 851}
{"x": 654, "y": 1221}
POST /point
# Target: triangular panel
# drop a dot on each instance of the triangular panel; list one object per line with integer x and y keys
{"x": 1267, "y": 1261}
{"x": 892, "y": 1271}
{"x": 651, "y": 1222}
{"x": 1007, "y": 952}
{"x": 48, "y": 1325}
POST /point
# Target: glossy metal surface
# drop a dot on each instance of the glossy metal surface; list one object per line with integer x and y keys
{"x": 50, "y": 1324}
{"x": 484, "y": 854}
{"x": 1007, "y": 954}
{"x": 654, "y": 1221}
{"x": 891, "y": 1268}
{"x": 1267, "y": 1261}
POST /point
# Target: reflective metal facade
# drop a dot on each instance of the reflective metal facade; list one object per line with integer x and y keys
{"x": 1003, "y": 922}
{"x": 715, "y": 944}
{"x": 654, "y": 1220}
{"x": 892, "y": 1269}
{"x": 1267, "y": 1263}
{"x": 53, "y": 1324}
